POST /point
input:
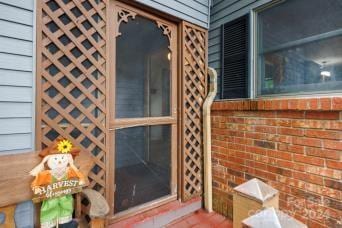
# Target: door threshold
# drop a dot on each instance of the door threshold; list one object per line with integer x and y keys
{"x": 141, "y": 208}
{"x": 160, "y": 216}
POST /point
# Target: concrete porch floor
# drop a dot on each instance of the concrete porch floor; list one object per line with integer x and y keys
{"x": 201, "y": 219}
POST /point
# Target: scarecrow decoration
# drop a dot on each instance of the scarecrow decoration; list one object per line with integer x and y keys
{"x": 55, "y": 185}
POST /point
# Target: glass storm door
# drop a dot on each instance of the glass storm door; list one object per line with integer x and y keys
{"x": 144, "y": 126}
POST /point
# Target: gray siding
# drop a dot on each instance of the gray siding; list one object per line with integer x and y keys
{"x": 223, "y": 11}
{"x": 194, "y": 11}
{"x": 16, "y": 75}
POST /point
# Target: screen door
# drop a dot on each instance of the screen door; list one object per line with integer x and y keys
{"x": 145, "y": 109}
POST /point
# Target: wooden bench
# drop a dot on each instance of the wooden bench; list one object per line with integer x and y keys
{"x": 15, "y": 183}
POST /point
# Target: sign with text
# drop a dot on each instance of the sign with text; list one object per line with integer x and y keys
{"x": 56, "y": 189}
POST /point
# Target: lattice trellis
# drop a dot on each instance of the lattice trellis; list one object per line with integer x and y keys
{"x": 72, "y": 39}
{"x": 194, "y": 76}
{"x": 72, "y": 90}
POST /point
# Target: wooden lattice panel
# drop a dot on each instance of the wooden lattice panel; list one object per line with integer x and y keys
{"x": 194, "y": 76}
{"x": 71, "y": 84}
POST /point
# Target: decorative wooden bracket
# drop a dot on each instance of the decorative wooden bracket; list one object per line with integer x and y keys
{"x": 123, "y": 15}
{"x": 166, "y": 31}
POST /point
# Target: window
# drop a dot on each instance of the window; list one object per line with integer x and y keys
{"x": 299, "y": 47}
{"x": 234, "y": 80}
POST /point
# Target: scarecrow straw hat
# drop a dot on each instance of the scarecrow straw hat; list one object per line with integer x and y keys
{"x": 60, "y": 146}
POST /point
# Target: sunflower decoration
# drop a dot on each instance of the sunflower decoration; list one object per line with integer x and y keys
{"x": 64, "y": 146}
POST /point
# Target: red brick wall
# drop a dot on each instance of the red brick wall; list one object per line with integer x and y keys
{"x": 294, "y": 145}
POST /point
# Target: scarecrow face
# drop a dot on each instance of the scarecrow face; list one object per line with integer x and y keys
{"x": 58, "y": 161}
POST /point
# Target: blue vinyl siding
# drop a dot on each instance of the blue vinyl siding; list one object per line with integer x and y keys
{"x": 16, "y": 75}
{"x": 16, "y": 87}
{"x": 194, "y": 11}
{"x": 23, "y": 4}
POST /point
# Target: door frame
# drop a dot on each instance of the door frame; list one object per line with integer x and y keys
{"x": 169, "y": 29}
